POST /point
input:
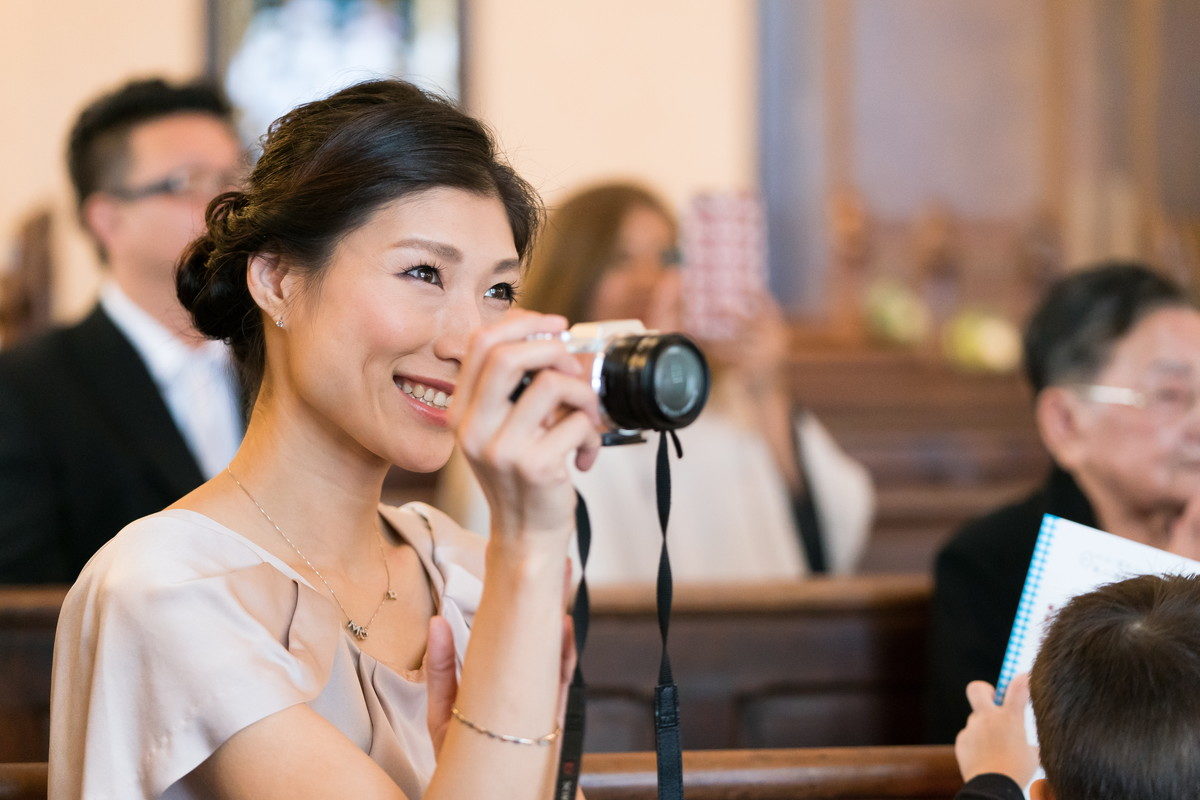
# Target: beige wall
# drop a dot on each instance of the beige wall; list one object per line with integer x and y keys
{"x": 664, "y": 91}
{"x": 54, "y": 56}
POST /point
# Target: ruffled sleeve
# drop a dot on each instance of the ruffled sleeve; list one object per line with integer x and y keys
{"x": 454, "y": 559}
{"x": 161, "y": 659}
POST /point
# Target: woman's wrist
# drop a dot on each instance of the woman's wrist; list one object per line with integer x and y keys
{"x": 526, "y": 557}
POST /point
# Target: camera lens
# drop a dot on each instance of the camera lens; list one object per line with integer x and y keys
{"x": 654, "y": 381}
{"x": 678, "y": 373}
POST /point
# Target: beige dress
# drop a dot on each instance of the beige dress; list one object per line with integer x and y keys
{"x": 180, "y": 632}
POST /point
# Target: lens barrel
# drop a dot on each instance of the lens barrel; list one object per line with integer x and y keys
{"x": 657, "y": 381}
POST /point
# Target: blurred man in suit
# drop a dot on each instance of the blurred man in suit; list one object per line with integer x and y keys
{"x": 117, "y": 416}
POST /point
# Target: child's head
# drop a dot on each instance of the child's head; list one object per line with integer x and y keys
{"x": 1115, "y": 693}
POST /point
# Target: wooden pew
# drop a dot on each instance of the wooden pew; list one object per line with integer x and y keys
{"x": 27, "y": 619}
{"x": 943, "y": 445}
{"x": 25, "y": 781}
{"x": 849, "y": 773}
{"x": 826, "y": 662}
{"x": 877, "y": 773}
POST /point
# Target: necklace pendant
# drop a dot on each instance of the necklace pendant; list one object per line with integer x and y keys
{"x": 359, "y": 631}
{"x": 390, "y": 595}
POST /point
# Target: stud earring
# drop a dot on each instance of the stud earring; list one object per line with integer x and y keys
{"x": 278, "y": 323}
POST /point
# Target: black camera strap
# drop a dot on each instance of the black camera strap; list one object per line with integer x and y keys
{"x": 667, "y": 745}
{"x": 571, "y": 754}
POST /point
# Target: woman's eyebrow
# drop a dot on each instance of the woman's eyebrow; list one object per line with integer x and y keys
{"x": 440, "y": 249}
{"x": 507, "y": 265}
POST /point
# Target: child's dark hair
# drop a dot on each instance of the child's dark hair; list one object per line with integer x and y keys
{"x": 1114, "y": 692}
{"x": 326, "y": 166}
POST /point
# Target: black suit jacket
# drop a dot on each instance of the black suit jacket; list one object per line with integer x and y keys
{"x": 87, "y": 445}
{"x": 979, "y": 577}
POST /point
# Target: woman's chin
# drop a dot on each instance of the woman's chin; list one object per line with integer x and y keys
{"x": 423, "y": 460}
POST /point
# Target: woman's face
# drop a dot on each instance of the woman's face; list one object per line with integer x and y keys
{"x": 1148, "y": 458}
{"x": 373, "y": 347}
{"x": 640, "y": 282}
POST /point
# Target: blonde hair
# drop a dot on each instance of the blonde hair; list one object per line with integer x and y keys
{"x": 578, "y": 244}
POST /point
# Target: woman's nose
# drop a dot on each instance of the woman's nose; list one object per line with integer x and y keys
{"x": 454, "y": 328}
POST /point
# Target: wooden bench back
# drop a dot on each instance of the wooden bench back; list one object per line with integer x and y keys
{"x": 867, "y": 773}
{"x": 26, "y": 781}
{"x": 826, "y": 662}
{"x": 27, "y": 619}
{"x": 845, "y": 773}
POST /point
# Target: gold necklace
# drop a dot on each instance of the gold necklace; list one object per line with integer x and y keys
{"x": 359, "y": 631}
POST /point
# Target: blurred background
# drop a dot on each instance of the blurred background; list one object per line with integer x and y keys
{"x": 926, "y": 167}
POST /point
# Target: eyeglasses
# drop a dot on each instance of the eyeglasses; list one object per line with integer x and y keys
{"x": 1171, "y": 401}
{"x": 190, "y": 182}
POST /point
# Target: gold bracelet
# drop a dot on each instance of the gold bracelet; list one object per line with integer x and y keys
{"x": 504, "y": 737}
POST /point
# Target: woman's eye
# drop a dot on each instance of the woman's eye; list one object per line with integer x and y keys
{"x": 426, "y": 273}
{"x": 503, "y": 291}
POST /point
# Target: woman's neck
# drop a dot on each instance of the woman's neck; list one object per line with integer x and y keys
{"x": 312, "y": 480}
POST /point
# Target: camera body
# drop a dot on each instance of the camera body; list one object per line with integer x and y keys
{"x": 646, "y": 380}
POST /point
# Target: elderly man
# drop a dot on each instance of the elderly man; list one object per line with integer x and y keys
{"x": 1113, "y": 354}
{"x": 115, "y": 417}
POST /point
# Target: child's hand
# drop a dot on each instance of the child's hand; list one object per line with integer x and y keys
{"x": 994, "y": 738}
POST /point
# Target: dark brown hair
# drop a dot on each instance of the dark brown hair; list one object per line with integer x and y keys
{"x": 1072, "y": 333}
{"x": 578, "y": 246}
{"x": 326, "y": 166}
{"x": 1114, "y": 692}
{"x": 98, "y": 145}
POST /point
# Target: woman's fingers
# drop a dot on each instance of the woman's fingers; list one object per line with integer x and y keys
{"x": 567, "y": 671}
{"x": 549, "y": 398}
{"x": 502, "y": 370}
{"x": 569, "y": 653}
{"x": 518, "y": 325}
{"x": 440, "y": 678}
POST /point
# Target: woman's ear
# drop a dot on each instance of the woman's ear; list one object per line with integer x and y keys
{"x": 1059, "y": 416}
{"x": 267, "y": 280}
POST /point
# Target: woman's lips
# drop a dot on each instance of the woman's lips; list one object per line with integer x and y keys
{"x": 430, "y": 398}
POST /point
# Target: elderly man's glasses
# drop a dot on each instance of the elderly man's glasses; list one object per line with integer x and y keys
{"x": 190, "y": 183}
{"x": 1169, "y": 401}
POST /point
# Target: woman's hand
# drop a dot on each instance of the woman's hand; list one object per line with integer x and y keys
{"x": 520, "y": 450}
{"x": 757, "y": 353}
{"x": 994, "y": 739}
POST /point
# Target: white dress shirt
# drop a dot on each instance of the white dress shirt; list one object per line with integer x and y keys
{"x": 197, "y": 384}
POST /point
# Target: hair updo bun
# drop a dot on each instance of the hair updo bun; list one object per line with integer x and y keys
{"x": 212, "y": 273}
{"x": 326, "y": 167}
{"x": 211, "y": 281}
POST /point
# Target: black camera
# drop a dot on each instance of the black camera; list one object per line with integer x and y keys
{"x": 646, "y": 380}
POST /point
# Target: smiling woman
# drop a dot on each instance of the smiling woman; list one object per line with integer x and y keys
{"x": 278, "y": 614}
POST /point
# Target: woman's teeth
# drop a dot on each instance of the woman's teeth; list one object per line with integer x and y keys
{"x": 426, "y": 394}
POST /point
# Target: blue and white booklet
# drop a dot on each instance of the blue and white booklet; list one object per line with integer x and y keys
{"x": 1070, "y": 559}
